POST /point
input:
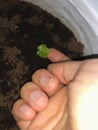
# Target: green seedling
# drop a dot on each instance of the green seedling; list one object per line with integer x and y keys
{"x": 43, "y": 51}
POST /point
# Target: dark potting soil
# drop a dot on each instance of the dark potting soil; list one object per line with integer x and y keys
{"x": 23, "y": 26}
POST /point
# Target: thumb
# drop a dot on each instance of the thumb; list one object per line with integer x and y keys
{"x": 64, "y": 69}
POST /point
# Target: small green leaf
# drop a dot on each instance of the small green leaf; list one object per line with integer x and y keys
{"x": 43, "y": 51}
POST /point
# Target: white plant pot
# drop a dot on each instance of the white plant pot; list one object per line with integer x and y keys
{"x": 80, "y": 16}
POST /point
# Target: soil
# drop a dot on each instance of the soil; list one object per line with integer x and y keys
{"x": 23, "y": 26}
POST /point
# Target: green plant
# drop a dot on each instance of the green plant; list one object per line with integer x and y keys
{"x": 43, "y": 51}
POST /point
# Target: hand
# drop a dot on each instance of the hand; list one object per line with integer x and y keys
{"x": 46, "y": 104}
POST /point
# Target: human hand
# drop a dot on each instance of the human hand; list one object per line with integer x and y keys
{"x": 60, "y": 108}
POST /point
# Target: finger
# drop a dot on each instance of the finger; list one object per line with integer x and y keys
{"x": 65, "y": 71}
{"x": 57, "y": 56}
{"x": 34, "y": 96}
{"x": 23, "y": 114}
{"x": 47, "y": 81}
{"x": 56, "y": 111}
{"x": 22, "y": 111}
{"x": 24, "y": 125}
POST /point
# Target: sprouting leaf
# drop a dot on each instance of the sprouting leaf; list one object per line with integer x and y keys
{"x": 43, "y": 51}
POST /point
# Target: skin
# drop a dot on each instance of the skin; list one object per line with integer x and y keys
{"x": 68, "y": 96}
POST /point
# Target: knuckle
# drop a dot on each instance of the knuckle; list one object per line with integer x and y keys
{"x": 25, "y": 86}
{"x": 38, "y": 72}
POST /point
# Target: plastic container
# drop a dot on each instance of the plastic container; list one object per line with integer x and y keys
{"x": 80, "y": 16}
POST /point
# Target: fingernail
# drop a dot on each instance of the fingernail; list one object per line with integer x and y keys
{"x": 35, "y": 96}
{"x": 46, "y": 81}
{"x": 24, "y": 108}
